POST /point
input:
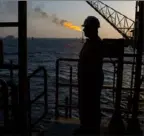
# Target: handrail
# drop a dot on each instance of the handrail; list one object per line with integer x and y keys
{"x": 72, "y": 85}
{"x": 14, "y": 94}
{"x": 58, "y": 84}
{"x": 104, "y": 61}
{"x": 104, "y": 86}
{"x": 39, "y": 69}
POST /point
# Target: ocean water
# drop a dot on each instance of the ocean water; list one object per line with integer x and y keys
{"x": 45, "y": 52}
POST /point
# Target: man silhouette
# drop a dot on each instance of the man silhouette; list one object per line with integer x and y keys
{"x": 90, "y": 78}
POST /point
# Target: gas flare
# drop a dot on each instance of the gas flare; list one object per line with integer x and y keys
{"x": 71, "y": 26}
{"x": 58, "y": 21}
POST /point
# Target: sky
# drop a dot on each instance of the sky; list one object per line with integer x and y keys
{"x": 73, "y": 11}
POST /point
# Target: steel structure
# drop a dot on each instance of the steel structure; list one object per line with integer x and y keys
{"x": 133, "y": 124}
{"x": 124, "y": 26}
{"x": 117, "y": 20}
{"x": 121, "y": 23}
{"x": 17, "y": 101}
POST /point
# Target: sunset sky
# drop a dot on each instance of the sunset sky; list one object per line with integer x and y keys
{"x": 73, "y": 11}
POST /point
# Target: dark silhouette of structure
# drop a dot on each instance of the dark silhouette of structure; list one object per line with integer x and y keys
{"x": 115, "y": 49}
{"x": 90, "y": 78}
{"x": 16, "y": 97}
{"x": 121, "y": 23}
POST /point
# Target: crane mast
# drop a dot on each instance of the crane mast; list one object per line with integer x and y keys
{"x": 117, "y": 20}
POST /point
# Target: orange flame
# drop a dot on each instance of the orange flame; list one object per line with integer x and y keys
{"x": 71, "y": 26}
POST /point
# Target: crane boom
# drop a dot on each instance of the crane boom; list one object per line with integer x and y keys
{"x": 120, "y": 22}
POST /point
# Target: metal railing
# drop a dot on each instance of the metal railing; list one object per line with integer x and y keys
{"x": 68, "y": 100}
{"x": 10, "y": 102}
{"x": 44, "y": 93}
{"x": 12, "y": 106}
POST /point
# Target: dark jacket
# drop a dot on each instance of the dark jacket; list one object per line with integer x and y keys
{"x": 90, "y": 81}
{"x": 90, "y": 60}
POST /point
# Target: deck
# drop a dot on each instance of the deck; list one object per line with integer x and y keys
{"x": 65, "y": 127}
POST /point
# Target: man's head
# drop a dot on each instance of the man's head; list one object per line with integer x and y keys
{"x": 91, "y": 25}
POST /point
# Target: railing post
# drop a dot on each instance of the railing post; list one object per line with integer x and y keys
{"x": 116, "y": 124}
{"x": 45, "y": 91}
{"x": 11, "y": 70}
{"x": 70, "y": 94}
{"x": 57, "y": 90}
{"x": 66, "y": 107}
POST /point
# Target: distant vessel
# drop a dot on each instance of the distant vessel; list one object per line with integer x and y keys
{"x": 9, "y": 37}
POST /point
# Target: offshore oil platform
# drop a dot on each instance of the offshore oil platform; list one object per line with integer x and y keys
{"x": 15, "y": 98}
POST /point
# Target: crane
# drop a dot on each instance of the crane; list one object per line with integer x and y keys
{"x": 125, "y": 26}
{"x": 117, "y": 20}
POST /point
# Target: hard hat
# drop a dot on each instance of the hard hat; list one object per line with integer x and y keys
{"x": 91, "y": 21}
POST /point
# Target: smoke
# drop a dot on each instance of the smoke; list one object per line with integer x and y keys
{"x": 56, "y": 20}
{"x": 42, "y": 13}
{"x": 53, "y": 17}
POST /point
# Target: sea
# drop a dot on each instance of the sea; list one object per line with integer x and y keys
{"x": 45, "y": 52}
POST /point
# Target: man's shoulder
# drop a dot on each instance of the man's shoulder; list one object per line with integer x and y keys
{"x": 93, "y": 44}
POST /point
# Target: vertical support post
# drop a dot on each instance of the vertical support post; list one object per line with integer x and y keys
{"x": 119, "y": 81}
{"x": 135, "y": 33}
{"x": 11, "y": 70}
{"x": 66, "y": 107}
{"x": 45, "y": 91}
{"x": 139, "y": 60}
{"x": 70, "y": 94}
{"x": 116, "y": 125}
{"x": 133, "y": 124}
{"x": 57, "y": 90}
{"x": 22, "y": 60}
